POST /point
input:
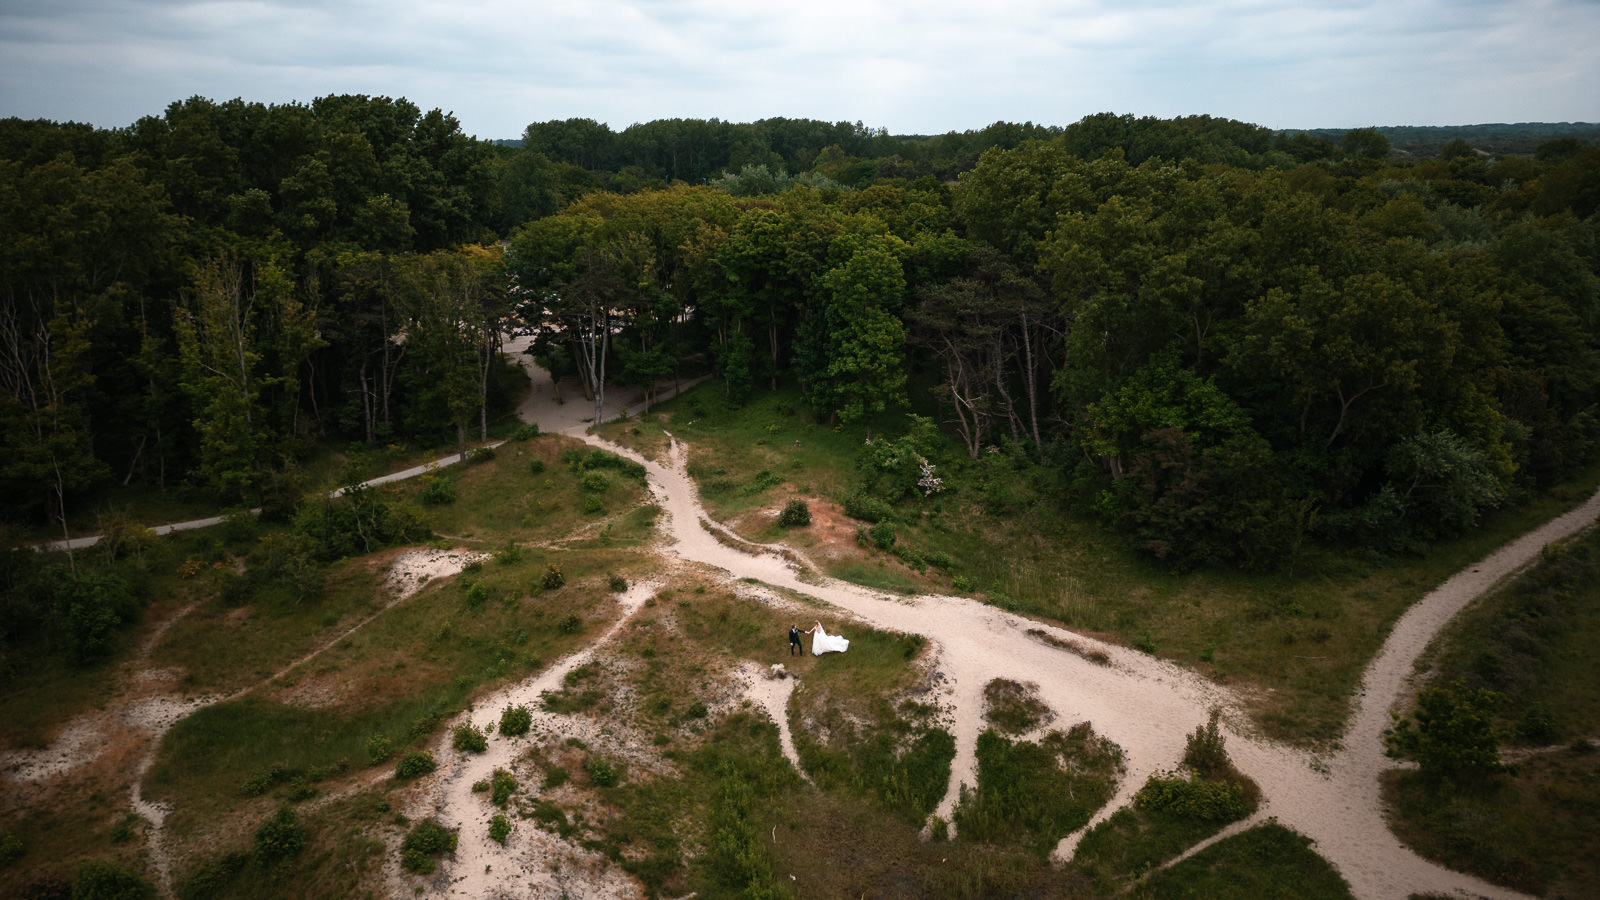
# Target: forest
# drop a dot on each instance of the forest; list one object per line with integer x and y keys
{"x": 1227, "y": 344}
{"x": 1229, "y": 396}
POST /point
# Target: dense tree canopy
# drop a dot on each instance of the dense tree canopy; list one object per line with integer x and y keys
{"x": 1222, "y": 341}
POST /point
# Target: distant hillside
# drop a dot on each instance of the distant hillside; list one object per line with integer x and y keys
{"x": 1496, "y": 139}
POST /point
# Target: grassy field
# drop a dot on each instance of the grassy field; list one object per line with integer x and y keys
{"x": 1297, "y": 644}
{"x": 1536, "y": 827}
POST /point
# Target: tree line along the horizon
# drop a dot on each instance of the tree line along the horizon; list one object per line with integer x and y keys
{"x": 1223, "y": 341}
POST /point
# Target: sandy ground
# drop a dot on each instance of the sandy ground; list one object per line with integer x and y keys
{"x": 1146, "y": 705}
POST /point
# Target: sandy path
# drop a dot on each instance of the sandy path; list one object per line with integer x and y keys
{"x": 1146, "y": 705}
{"x": 1149, "y": 706}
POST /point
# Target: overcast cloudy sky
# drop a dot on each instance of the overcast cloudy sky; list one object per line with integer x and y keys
{"x": 913, "y": 67}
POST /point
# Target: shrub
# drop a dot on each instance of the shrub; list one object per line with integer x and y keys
{"x": 1450, "y": 734}
{"x": 415, "y": 764}
{"x": 280, "y": 837}
{"x": 602, "y": 772}
{"x": 502, "y": 787}
{"x": 11, "y": 848}
{"x": 552, "y": 578}
{"x": 469, "y": 737}
{"x": 963, "y": 583}
{"x": 1192, "y": 798}
{"x": 617, "y": 583}
{"x": 571, "y": 625}
{"x": 209, "y": 880}
{"x": 536, "y": 467}
{"x": 499, "y": 828}
{"x": 554, "y": 777}
{"x": 883, "y": 535}
{"x": 426, "y": 840}
{"x": 867, "y": 509}
{"x": 438, "y": 490}
{"x": 594, "y": 482}
{"x": 796, "y": 514}
{"x": 763, "y": 480}
{"x": 515, "y": 720}
{"x": 592, "y": 505}
{"x": 940, "y": 560}
{"x": 101, "y": 879}
{"x": 479, "y": 455}
{"x": 1206, "y": 752}
{"x": 526, "y": 432}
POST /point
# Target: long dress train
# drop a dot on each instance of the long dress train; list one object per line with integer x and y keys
{"x": 823, "y": 642}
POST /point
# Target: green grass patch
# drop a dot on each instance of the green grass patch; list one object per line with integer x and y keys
{"x": 1268, "y": 862}
{"x": 1031, "y": 795}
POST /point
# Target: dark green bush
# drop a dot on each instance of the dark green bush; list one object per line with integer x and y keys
{"x": 438, "y": 489}
{"x": 552, "y": 578}
{"x": 479, "y": 455}
{"x": 515, "y": 720}
{"x": 1451, "y": 733}
{"x": 1206, "y": 751}
{"x": 499, "y": 828}
{"x": 11, "y": 848}
{"x": 469, "y": 738}
{"x": 796, "y": 514}
{"x": 100, "y": 879}
{"x": 280, "y": 837}
{"x": 883, "y": 535}
{"x": 594, "y": 482}
{"x": 212, "y": 877}
{"x": 867, "y": 509}
{"x": 526, "y": 432}
{"x": 617, "y": 583}
{"x": 602, "y": 772}
{"x": 426, "y": 840}
{"x": 415, "y": 764}
{"x": 536, "y": 467}
{"x": 502, "y": 787}
{"x": 1192, "y": 798}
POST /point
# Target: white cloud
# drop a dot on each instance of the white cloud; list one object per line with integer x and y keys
{"x": 925, "y": 67}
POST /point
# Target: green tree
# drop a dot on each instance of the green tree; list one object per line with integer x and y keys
{"x": 1451, "y": 734}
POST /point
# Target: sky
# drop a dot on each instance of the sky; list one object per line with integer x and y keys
{"x": 912, "y": 67}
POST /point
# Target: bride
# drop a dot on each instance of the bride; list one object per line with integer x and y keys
{"x": 822, "y": 642}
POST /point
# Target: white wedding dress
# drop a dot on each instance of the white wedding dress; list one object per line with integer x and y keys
{"x": 823, "y": 642}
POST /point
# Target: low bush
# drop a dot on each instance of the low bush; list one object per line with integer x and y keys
{"x": 499, "y": 828}
{"x": 212, "y": 877}
{"x": 515, "y": 720}
{"x": 602, "y": 772}
{"x": 594, "y": 482}
{"x": 867, "y": 509}
{"x": 101, "y": 879}
{"x": 617, "y": 583}
{"x": 469, "y": 738}
{"x": 1193, "y": 797}
{"x": 526, "y": 432}
{"x": 280, "y": 837}
{"x": 502, "y": 787}
{"x": 552, "y": 578}
{"x": 437, "y": 490}
{"x": 883, "y": 535}
{"x": 415, "y": 764}
{"x": 796, "y": 514}
{"x": 479, "y": 455}
{"x": 426, "y": 840}
{"x": 536, "y": 467}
